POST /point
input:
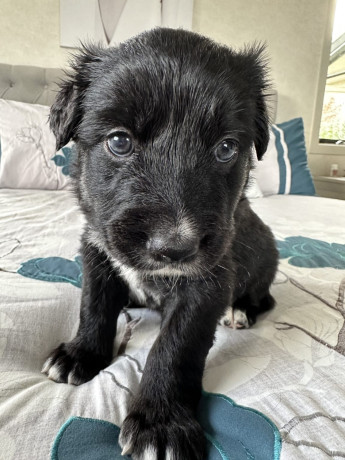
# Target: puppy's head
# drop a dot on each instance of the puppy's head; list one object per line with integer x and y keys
{"x": 164, "y": 126}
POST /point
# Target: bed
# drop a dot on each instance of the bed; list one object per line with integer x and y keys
{"x": 275, "y": 391}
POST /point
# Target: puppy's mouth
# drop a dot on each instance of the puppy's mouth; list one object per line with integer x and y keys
{"x": 157, "y": 257}
{"x": 172, "y": 269}
{"x": 170, "y": 272}
{"x": 141, "y": 262}
{"x": 166, "y": 250}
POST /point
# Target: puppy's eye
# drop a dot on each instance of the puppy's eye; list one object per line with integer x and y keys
{"x": 120, "y": 143}
{"x": 226, "y": 151}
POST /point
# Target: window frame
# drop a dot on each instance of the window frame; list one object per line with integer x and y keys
{"x": 316, "y": 146}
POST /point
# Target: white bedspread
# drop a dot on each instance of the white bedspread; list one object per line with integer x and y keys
{"x": 290, "y": 365}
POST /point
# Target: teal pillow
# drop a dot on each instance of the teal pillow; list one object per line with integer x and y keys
{"x": 284, "y": 168}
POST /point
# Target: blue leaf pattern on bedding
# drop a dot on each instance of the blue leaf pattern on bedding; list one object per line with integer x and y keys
{"x": 310, "y": 253}
{"x": 64, "y": 160}
{"x": 237, "y": 432}
{"x": 54, "y": 269}
{"x": 232, "y": 432}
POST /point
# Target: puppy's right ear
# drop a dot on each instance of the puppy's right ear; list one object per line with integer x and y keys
{"x": 66, "y": 112}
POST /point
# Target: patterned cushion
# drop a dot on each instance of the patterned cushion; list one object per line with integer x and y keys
{"x": 28, "y": 156}
{"x": 284, "y": 168}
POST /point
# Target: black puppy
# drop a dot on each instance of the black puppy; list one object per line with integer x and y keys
{"x": 164, "y": 126}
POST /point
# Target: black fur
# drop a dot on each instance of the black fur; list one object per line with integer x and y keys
{"x": 168, "y": 226}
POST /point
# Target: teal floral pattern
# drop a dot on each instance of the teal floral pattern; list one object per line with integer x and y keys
{"x": 228, "y": 428}
{"x": 310, "y": 253}
{"x": 54, "y": 269}
{"x": 64, "y": 160}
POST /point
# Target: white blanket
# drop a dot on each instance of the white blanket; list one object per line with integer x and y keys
{"x": 290, "y": 365}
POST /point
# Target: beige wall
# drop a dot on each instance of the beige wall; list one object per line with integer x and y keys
{"x": 293, "y": 30}
{"x": 29, "y": 33}
{"x": 294, "y": 33}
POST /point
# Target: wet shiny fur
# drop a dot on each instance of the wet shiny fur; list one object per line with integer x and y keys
{"x": 164, "y": 126}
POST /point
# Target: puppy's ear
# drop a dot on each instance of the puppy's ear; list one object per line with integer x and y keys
{"x": 260, "y": 85}
{"x": 262, "y": 135}
{"x": 66, "y": 112}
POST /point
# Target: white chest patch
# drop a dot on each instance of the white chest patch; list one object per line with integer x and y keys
{"x": 135, "y": 279}
{"x": 134, "y": 282}
{"x": 142, "y": 294}
{"x": 130, "y": 275}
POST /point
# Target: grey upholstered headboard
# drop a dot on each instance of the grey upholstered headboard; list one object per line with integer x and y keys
{"x": 35, "y": 85}
{"x": 38, "y": 85}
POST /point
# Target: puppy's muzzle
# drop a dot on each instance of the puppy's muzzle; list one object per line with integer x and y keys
{"x": 170, "y": 248}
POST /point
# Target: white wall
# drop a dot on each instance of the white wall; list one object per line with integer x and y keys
{"x": 293, "y": 30}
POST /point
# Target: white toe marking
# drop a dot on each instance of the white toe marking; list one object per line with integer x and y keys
{"x": 126, "y": 444}
{"x": 54, "y": 373}
{"x": 169, "y": 454}
{"x": 150, "y": 453}
{"x": 127, "y": 449}
{"x": 240, "y": 318}
{"x": 227, "y": 318}
{"x": 47, "y": 366}
{"x": 72, "y": 379}
{"x": 236, "y": 319}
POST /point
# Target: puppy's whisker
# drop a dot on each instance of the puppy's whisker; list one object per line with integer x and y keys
{"x": 220, "y": 266}
{"x": 249, "y": 247}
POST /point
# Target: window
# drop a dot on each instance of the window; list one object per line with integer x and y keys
{"x": 332, "y": 127}
{"x": 329, "y": 126}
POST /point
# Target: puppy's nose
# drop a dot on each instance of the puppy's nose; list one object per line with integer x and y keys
{"x": 168, "y": 250}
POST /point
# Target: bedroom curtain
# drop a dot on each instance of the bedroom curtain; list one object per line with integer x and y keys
{"x": 112, "y": 21}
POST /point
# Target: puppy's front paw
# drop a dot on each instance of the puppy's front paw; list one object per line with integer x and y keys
{"x": 71, "y": 363}
{"x": 155, "y": 434}
{"x": 236, "y": 319}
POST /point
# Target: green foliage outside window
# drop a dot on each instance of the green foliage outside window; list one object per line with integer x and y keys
{"x": 333, "y": 117}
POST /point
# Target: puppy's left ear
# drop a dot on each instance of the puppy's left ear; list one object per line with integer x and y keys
{"x": 260, "y": 85}
{"x": 66, "y": 112}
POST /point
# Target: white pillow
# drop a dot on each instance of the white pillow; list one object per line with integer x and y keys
{"x": 284, "y": 168}
{"x": 253, "y": 189}
{"x": 28, "y": 156}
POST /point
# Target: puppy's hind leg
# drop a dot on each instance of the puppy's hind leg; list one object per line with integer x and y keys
{"x": 245, "y": 310}
{"x": 235, "y": 316}
{"x": 254, "y": 309}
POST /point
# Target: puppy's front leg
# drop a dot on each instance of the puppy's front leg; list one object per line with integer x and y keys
{"x": 103, "y": 296}
{"x": 161, "y": 423}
